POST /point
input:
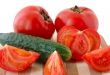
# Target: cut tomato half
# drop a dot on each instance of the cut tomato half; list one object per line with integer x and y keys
{"x": 79, "y": 42}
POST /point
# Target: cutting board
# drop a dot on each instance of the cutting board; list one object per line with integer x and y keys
{"x": 78, "y": 68}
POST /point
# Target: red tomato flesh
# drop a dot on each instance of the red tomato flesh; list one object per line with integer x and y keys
{"x": 67, "y": 35}
{"x": 99, "y": 59}
{"x": 93, "y": 37}
{"x": 54, "y": 65}
{"x": 80, "y": 46}
{"x": 15, "y": 59}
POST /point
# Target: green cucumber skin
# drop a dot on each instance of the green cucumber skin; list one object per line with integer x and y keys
{"x": 37, "y": 44}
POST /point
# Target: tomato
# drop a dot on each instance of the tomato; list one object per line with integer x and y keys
{"x": 15, "y": 59}
{"x": 54, "y": 65}
{"x": 99, "y": 59}
{"x": 80, "y": 17}
{"x": 78, "y": 41}
{"x": 34, "y": 20}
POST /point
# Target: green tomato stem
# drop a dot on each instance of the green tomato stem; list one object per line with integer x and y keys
{"x": 45, "y": 16}
{"x": 76, "y": 9}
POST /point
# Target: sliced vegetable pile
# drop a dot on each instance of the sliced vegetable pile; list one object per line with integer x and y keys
{"x": 77, "y": 39}
{"x": 43, "y": 46}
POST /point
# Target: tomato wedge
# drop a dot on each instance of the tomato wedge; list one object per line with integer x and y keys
{"x": 99, "y": 59}
{"x": 54, "y": 65}
{"x": 15, "y": 59}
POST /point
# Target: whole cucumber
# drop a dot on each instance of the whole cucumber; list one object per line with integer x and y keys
{"x": 43, "y": 46}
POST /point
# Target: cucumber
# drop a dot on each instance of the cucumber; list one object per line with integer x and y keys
{"x": 43, "y": 46}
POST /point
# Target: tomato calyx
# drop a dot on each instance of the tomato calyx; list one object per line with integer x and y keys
{"x": 76, "y": 9}
{"x": 44, "y": 15}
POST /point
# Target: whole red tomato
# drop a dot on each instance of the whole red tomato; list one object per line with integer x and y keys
{"x": 80, "y": 17}
{"x": 34, "y": 20}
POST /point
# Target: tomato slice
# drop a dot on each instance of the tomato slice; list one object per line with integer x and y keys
{"x": 99, "y": 59}
{"x": 94, "y": 38}
{"x": 66, "y": 35}
{"x": 15, "y": 59}
{"x": 80, "y": 46}
{"x": 54, "y": 65}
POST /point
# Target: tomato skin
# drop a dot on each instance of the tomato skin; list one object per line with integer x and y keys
{"x": 15, "y": 59}
{"x": 80, "y": 17}
{"x": 34, "y": 20}
{"x": 99, "y": 59}
{"x": 54, "y": 65}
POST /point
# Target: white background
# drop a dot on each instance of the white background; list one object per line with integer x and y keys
{"x": 9, "y": 8}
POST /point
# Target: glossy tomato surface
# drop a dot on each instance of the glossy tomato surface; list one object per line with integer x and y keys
{"x": 78, "y": 41}
{"x": 34, "y": 20}
{"x": 15, "y": 59}
{"x": 80, "y": 17}
{"x": 99, "y": 59}
{"x": 54, "y": 65}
